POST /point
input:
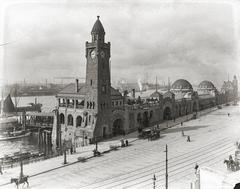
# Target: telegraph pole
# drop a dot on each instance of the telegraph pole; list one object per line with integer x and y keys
{"x": 166, "y": 187}
{"x": 154, "y": 181}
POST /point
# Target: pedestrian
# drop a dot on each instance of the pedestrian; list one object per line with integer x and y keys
{"x": 196, "y": 168}
{"x": 71, "y": 150}
{"x": 122, "y": 142}
{"x": 188, "y": 139}
{"x": 174, "y": 119}
{"x": 228, "y": 114}
{"x": 181, "y": 123}
{"x": 1, "y": 170}
{"x": 126, "y": 142}
{"x": 182, "y": 133}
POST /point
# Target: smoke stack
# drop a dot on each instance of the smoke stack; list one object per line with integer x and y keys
{"x": 133, "y": 93}
{"x": 77, "y": 85}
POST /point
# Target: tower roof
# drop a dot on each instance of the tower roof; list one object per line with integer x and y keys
{"x": 98, "y": 27}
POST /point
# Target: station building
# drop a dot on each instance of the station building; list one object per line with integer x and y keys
{"x": 96, "y": 110}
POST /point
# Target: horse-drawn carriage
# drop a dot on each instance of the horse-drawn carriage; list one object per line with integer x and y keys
{"x": 150, "y": 134}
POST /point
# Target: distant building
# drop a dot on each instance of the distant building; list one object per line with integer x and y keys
{"x": 95, "y": 110}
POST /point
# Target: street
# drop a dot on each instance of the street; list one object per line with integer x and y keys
{"x": 212, "y": 140}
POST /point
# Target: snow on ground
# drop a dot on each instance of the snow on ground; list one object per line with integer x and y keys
{"x": 212, "y": 140}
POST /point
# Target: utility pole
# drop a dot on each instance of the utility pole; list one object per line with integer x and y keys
{"x": 154, "y": 181}
{"x": 166, "y": 186}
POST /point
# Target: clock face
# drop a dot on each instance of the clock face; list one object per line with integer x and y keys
{"x": 93, "y": 54}
{"x": 102, "y": 54}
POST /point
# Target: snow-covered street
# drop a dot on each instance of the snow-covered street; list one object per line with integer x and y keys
{"x": 212, "y": 140}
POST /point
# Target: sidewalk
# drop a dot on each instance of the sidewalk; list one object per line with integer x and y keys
{"x": 41, "y": 167}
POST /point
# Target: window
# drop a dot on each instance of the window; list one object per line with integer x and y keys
{"x": 79, "y": 121}
{"x": 62, "y": 118}
{"x": 70, "y": 119}
{"x": 89, "y": 118}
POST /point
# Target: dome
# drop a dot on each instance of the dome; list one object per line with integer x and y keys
{"x": 206, "y": 85}
{"x": 98, "y": 27}
{"x": 182, "y": 84}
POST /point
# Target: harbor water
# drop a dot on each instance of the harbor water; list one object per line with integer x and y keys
{"x": 29, "y": 143}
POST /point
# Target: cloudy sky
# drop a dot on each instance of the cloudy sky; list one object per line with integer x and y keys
{"x": 195, "y": 41}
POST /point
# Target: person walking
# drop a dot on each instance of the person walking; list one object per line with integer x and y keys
{"x": 126, "y": 142}
{"x": 196, "y": 168}
{"x": 181, "y": 123}
{"x": 188, "y": 139}
{"x": 182, "y": 133}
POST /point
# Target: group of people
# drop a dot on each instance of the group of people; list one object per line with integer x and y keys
{"x": 124, "y": 143}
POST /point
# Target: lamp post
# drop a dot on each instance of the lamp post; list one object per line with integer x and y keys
{"x": 64, "y": 152}
{"x": 154, "y": 181}
{"x": 166, "y": 184}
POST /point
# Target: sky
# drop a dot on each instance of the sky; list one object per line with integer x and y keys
{"x": 193, "y": 41}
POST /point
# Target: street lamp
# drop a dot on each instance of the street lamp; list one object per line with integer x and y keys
{"x": 64, "y": 152}
{"x": 154, "y": 181}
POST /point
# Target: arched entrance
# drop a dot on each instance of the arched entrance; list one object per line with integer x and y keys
{"x": 167, "y": 113}
{"x": 117, "y": 127}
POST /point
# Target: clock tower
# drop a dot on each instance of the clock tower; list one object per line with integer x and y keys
{"x": 98, "y": 84}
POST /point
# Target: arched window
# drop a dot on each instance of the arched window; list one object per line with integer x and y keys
{"x": 89, "y": 118}
{"x": 62, "y": 118}
{"x": 90, "y": 105}
{"x": 70, "y": 119}
{"x": 87, "y": 104}
{"x": 79, "y": 121}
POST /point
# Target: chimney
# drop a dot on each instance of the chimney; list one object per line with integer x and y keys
{"x": 77, "y": 85}
{"x": 133, "y": 93}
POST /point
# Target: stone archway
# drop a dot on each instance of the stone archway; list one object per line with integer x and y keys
{"x": 117, "y": 128}
{"x": 167, "y": 114}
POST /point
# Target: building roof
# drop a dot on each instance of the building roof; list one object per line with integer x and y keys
{"x": 155, "y": 94}
{"x": 71, "y": 89}
{"x": 98, "y": 27}
{"x": 115, "y": 94}
{"x": 182, "y": 84}
{"x": 206, "y": 85}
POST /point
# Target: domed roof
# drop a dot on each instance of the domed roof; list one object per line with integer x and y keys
{"x": 98, "y": 27}
{"x": 182, "y": 84}
{"x": 206, "y": 85}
